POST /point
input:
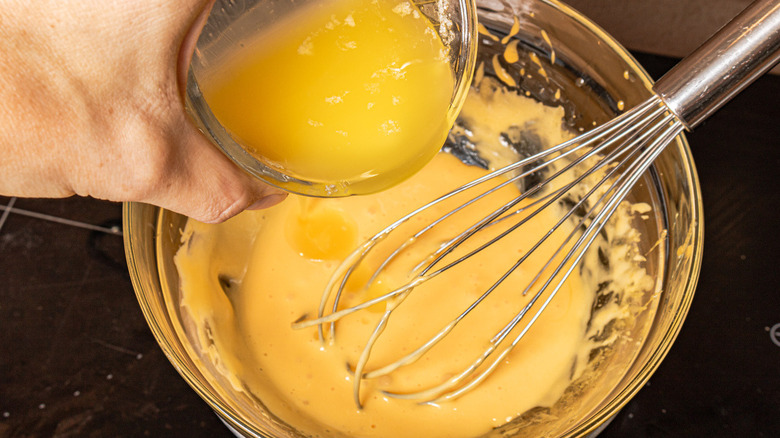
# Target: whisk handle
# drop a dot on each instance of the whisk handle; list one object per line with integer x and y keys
{"x": 730, "y": 60}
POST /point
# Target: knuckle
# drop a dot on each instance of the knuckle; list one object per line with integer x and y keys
{"x": 226, "y": 207}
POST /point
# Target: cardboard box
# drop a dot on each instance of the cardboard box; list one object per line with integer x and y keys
{"x": 662, "y": 27}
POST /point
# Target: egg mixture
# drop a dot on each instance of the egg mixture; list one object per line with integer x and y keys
{"x": 244, "y": 282}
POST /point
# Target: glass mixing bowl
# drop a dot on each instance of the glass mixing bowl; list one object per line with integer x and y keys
{"x": 237, "y": 23}
{"x": 597, "y": 78}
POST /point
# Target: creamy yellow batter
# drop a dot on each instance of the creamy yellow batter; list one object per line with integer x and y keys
{"x": 245, "y": 281}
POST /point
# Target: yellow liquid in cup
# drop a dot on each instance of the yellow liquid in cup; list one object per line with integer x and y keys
{"x": 349, "y": 91}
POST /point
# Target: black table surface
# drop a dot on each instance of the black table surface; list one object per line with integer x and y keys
{"x": 78, "y": 360}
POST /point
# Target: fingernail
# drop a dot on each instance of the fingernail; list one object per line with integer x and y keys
{"x": 268, "y": 201}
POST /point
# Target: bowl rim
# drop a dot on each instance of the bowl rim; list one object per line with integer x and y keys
{"x": 596, "y": 418}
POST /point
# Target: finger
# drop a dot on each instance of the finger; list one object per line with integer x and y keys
{"x": 222, "y": 189}
{"x": 188, "y": 45}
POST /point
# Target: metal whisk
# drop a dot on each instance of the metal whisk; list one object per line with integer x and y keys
{"x": 617, "y": 153}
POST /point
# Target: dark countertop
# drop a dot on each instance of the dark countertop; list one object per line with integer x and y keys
{"x": 78, "y": 360}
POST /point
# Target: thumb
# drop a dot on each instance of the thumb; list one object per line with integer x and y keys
{"x": 206, "y": 185}
{"x": 202, "y": 183}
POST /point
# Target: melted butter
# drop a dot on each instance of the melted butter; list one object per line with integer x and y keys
{"x": 513, "y": 31}
{"x": 502, "y": 74}
{"x": 279, "y": 276}
{"x": 320, "y": 232}
{"x": 347, "y": 91}
{"x": 479, "y": 73}
{"x": 510, "y": 52}
{"x": 535, "y": 60}
{"x": 549, "y": 43}
{"x": 484, "y": 31}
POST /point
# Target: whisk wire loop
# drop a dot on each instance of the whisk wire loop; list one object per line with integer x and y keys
{"x": 622, "y": 138}
{"x": 579, "y": 249}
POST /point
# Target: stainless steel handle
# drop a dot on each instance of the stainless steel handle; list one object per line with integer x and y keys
{"x": 730, "y": 60}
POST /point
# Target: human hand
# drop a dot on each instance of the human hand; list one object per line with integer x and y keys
{"x": 91, "y": 103}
